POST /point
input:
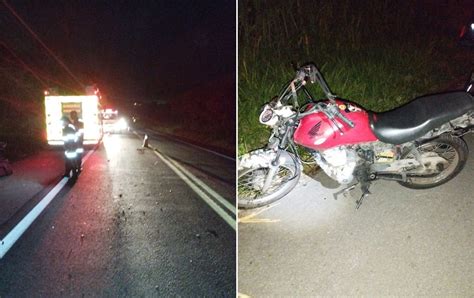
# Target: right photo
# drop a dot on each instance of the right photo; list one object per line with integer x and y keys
{"x": 354, "y": 127}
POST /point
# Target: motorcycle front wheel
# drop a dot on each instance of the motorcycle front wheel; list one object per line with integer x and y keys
{"x": 251, "y": 181}
{"x": 453, "y": 149}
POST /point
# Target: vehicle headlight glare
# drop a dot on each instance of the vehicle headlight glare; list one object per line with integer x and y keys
{"x": 122, "y": 124}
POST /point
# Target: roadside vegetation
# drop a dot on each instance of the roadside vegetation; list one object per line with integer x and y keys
{"x": 21, "y": 113}
{"x": 204, "y": 115}
{"x": 25, "y": 72}
{"x": 379, "y": 55}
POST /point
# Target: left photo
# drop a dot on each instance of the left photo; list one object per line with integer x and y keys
{"x": 117, "y": 148}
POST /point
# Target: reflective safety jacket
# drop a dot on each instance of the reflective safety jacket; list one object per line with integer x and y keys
{"x": 72, "y": 142}
{"x": 79, "y": 126}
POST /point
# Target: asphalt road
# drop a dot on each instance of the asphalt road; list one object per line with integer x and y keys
{"x": 400, "y": 242}
{"x": 130, "y": 226}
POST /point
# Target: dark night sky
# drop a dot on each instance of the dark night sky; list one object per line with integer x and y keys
{"x": 131, "y": 49}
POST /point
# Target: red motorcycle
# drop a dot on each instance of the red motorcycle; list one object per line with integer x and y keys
{"x": 419, "y": 144}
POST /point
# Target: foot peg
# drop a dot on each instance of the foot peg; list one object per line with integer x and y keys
{"x": 365, "y": 193}
{"x": 359, "y": 201}
{"x": 344, "y": 191}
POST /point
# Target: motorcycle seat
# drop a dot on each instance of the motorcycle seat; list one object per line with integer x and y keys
{"x": 416, "y": 118}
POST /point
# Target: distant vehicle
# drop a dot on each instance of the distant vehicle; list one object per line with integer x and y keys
{"x": 88, "y": 109}
{"x": 113, "y": 123}
{"x": 466, "y": 35}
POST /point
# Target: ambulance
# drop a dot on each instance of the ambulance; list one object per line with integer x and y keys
{"x": 88, "y": 110}
{"x": 112, "y": 122}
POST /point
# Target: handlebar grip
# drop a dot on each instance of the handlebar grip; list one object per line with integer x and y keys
{"x": 311, "y": 70}
{"x": 300, "y": 75}
{"x": 306, "y": 71}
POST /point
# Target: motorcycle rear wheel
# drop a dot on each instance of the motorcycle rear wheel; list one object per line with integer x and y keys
{"x": 453, "y": 149}
{"x": 250, "y": 179}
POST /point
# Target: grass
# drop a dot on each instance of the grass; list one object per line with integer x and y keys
{"x": 21, "y": 115}
{"x": 379, "y": 55}
{"x": 204, "y": 115}
{"x": 24, "y": 136}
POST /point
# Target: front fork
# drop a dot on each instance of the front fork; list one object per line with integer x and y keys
{"x": 272, "y": 170}
{"x": 277, "y": 144}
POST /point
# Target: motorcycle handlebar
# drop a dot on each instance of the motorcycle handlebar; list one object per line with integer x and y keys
{"x": 311, "y": 71}
{"x": 331, "y": 110}
{"x": 306, "y": 71}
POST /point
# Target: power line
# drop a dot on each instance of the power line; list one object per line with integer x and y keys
{"x": 42, "y": 77}
{"x": 15, "y": 14}
{"x": 49, "y": 79}
{"x": 18, "y": 82}
{"x": 24, "y": 65}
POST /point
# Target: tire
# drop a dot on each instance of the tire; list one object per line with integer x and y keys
{"x": 250, "y": 197}
{"x": 451, "y": 145}
{"x": 76, "y": 169}
{"x": 74, "y": 174}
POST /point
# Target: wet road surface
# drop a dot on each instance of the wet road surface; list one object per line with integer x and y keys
{"x": 130, "y": 226}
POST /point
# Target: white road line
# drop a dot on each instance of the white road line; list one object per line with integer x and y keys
{"x": 209, "y": 190}
{"x": 196, "y": 146}
{"x": 221, "y": 212}
{"x": 10, "y": 239}
{"x": 24, "y": 224}
{"x": 187, "y": 177}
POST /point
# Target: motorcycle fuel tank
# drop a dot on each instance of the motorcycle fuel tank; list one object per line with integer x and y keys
{"x": 316, "y": 131}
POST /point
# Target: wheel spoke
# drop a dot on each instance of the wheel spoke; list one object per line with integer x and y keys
{"x": 442, "y": 149}
{"x": 250, "y": 183}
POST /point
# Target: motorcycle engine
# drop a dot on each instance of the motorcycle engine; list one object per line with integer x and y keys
{"x": 338, "y": 163}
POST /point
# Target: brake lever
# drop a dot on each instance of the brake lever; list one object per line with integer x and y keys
{"x": 334, "y": 110}
{"x": 344, "y": 118}
{"x": 329, "y": 111}
{"x": 334, "y": 122}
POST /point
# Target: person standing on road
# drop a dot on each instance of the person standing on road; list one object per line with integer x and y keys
{"x": 79, "y": 126}
{"x": 70, "y": 139}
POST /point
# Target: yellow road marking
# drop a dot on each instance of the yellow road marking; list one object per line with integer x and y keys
{"x": 259, "y": 220}
{"x": 250, "y": 218}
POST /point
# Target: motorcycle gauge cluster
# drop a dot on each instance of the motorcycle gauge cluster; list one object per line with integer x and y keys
{"x": 266, "y": 115}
